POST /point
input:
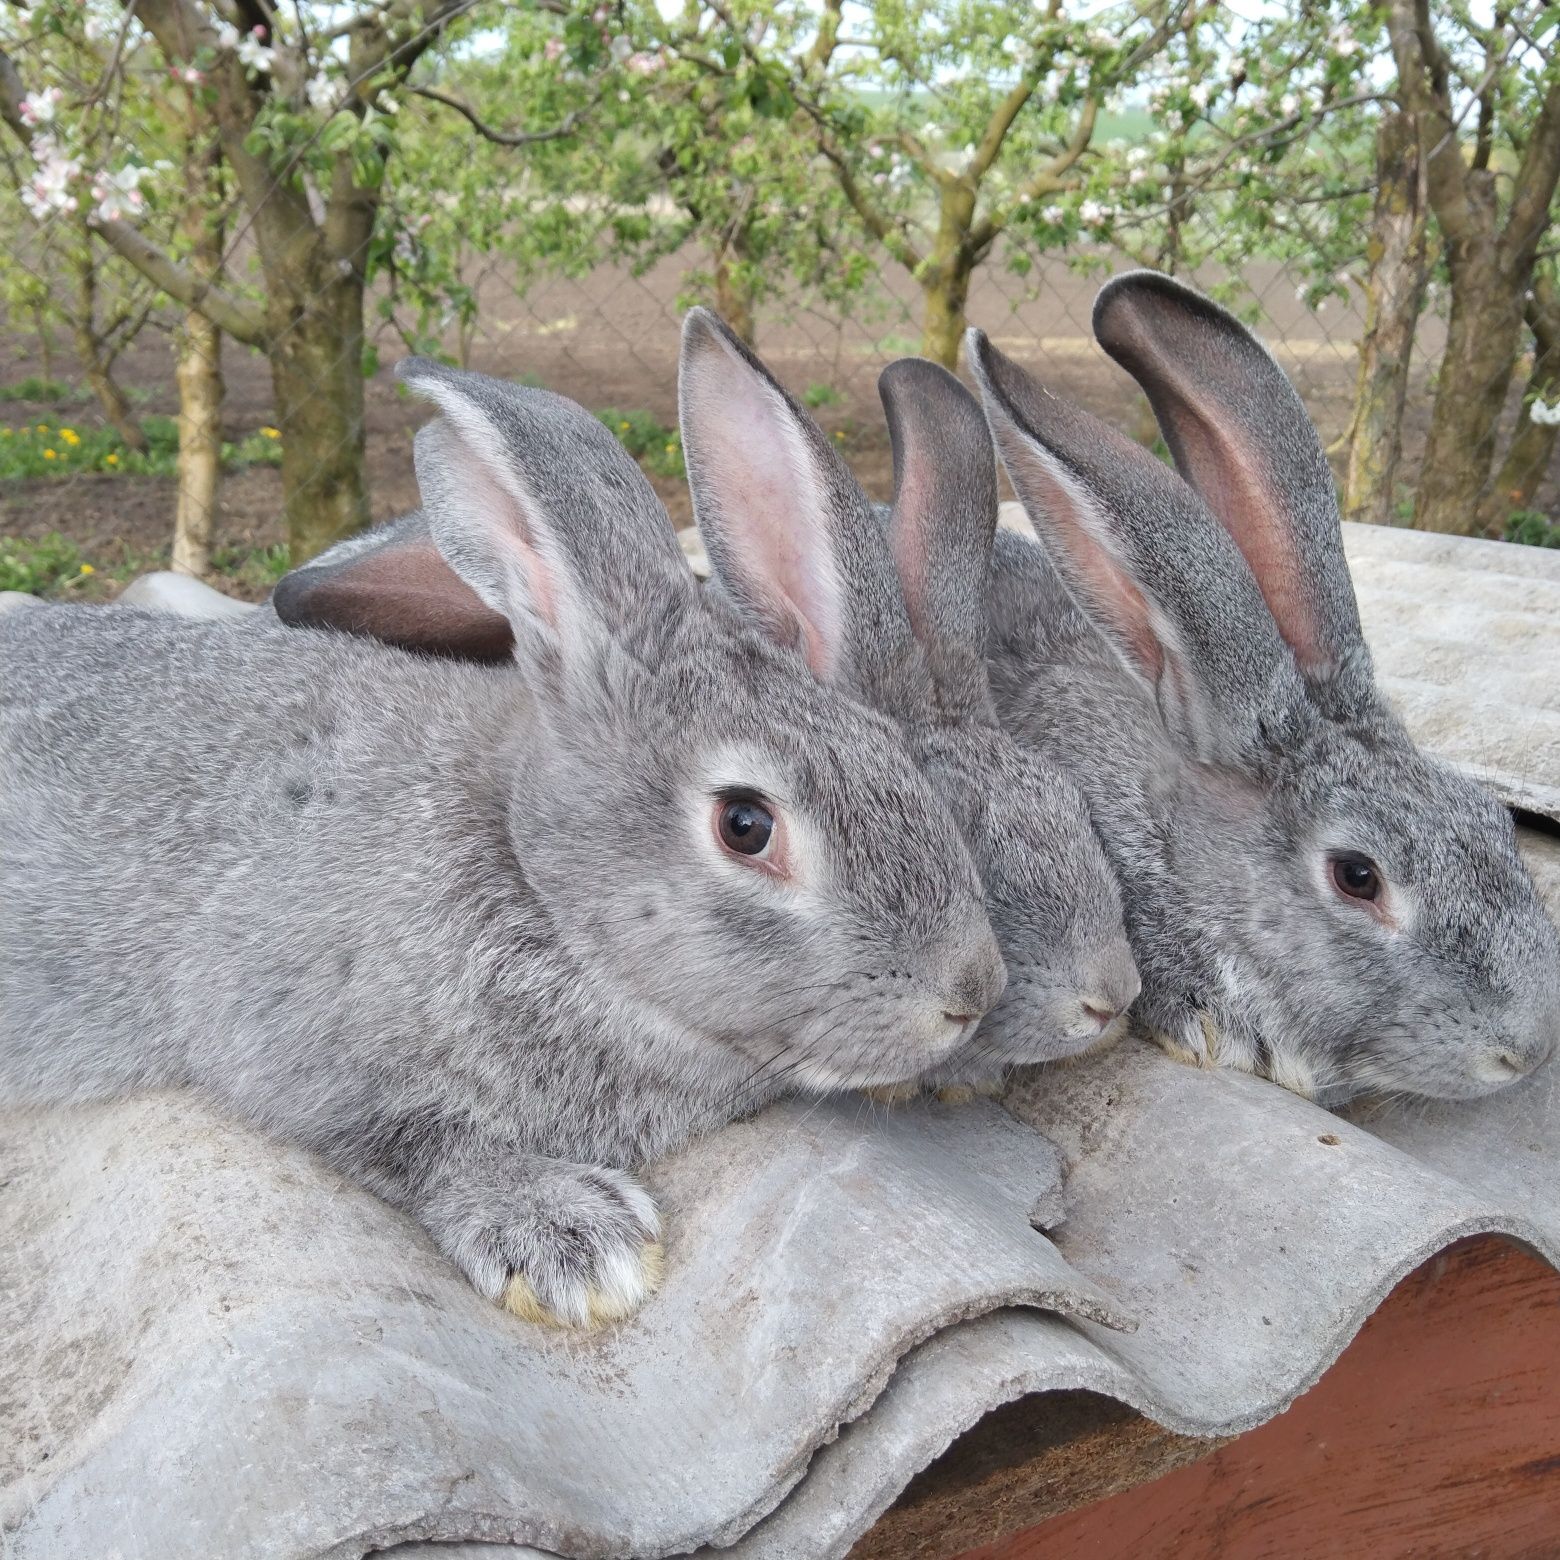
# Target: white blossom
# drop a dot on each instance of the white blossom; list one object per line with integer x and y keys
{"x": 118, "y": 195}
{"x": 254, "y": 53}
{"x": 228, "y": 36}
{"x": 1200, "y": 93}
{"x": 1052, "y": 214}
{"x": 48, "y": 190}
{"x": 320, "y": 90}
{"x": 1545, "y": 416}
{"x": 1343, "y": 42}
{"x": 39, "y": 108}
{"x": 1091, "y": 213}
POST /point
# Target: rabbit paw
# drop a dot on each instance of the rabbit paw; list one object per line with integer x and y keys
{"x": 570, "y": 1245}
{"x": 893, "y": 1093}
{"x": 973, "y": 1089}
{"x": 1194, "y": 1042}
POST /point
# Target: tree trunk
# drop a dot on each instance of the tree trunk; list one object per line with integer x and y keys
{"x": 1482, "y": 339}
{"x": 1532, "y": 444}
{"x": 94, "y": 360}
{"x": 199, "y": 375}
{"x": 317, "y": 376}
{"x": 734, "y": 289}
{"x": 1394, "y": 297}
{"x": 945, "y": 282}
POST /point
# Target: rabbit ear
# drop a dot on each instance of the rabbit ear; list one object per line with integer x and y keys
{"x": 791, "y": 536}
{"x": 391, "y": 584}
{"x": 942, "y": 526}
{"x": 1148, "y": 563}
{"x": 548, "y": 519}
{"x": 1240, "y": 436}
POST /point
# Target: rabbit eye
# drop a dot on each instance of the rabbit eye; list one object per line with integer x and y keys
{"x": 1355, "y": 877}
{"x": 744, "y": 824}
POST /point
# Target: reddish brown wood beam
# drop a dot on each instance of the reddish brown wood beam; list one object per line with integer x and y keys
{"x": 1435, "y": 1435}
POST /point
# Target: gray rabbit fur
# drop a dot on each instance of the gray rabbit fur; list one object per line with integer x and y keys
{"x": 479, "y": 939}
{"x": 909, "y": 607}
{"x": 1187, "y": 646}
{"x": 914, "y": 593}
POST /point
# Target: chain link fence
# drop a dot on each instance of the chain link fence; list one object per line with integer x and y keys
{"x": 608, "y": 338}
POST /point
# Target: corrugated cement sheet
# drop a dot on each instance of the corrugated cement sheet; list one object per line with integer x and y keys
{"x": 211, "y": 1346}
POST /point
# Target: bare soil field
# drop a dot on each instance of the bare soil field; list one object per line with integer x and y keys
{"x": 610, "y": 339}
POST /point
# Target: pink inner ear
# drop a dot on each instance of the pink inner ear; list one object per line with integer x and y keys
{"x": 767, "y": 493}
{"x": 1114, "y": 596}
{"x": 1230, "y": 476}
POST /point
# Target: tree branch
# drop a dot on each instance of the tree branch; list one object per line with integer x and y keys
{"x": 565, "y": 127}
{"x": 1050, "y": 180}
{"x": 1423, "y": 93}
{"x": 1538, "y": 174}
{"x": 239, "y": 319}
{"x": 894, "y": 238}
{"x": 1000, "y": 123}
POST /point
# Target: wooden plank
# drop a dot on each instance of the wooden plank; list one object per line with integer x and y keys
{"x": 1436, "y": 1434}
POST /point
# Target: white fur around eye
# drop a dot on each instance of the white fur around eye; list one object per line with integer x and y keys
{"x": 1395, "y": 911}
{"x": 746, "y": 769}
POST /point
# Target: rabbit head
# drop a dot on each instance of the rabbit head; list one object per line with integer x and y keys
{"x": 910, "y": 605}
{"x": 1309, "y": 895}
{"x": 742, "y": 850}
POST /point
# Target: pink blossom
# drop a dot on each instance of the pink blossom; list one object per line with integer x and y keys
{"x": 39, "y": 108}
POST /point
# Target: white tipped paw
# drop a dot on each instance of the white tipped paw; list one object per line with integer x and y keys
{"x": 579, "y": 1249}
{"x": 893, "y": 1093}
{"x": 1195, "y": 1042}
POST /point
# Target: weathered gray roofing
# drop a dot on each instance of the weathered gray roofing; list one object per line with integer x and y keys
{"x": 213, "y": 1346}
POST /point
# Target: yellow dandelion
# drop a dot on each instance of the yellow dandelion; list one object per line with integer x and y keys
{"x": 43, "y": 427}
{"x": 49, "y": 455}
{"x": 5, "y": 433}
{"x": 70, "y": 436}
{"x": 270, "y": 433}
{"x": 111, "y": 458}
{"x": 87, "y": 568}
{"x": 623, "y": 426}
{"x": 839, "y": 433}
{"x": 671, "y": 449}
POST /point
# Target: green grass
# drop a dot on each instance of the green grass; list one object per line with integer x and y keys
{"x": 652, "y": 443}
{"x": 1533, "y": 529}
{"x": 819, "y": 396}
{"x": 42, "y": 391}
{"x": 54, "y": 448}
{"x": 44, "y": 566}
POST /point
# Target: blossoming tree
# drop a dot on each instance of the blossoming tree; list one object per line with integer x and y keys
{"x": 303, "y": 103}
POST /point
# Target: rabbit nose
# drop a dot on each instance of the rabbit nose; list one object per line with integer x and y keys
{"x": 1111, "y": 987}
{"x": 1519, "y": 1061}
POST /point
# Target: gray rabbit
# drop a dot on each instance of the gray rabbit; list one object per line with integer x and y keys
{"x": 1308, "y": 896}
{"x": 484, "y": 941}
{"x": 760, "y": 469}
{"x": 897, "y": 620}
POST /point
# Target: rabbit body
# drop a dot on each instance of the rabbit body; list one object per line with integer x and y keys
{"x": 474, "y": 937}
{"x": 1308, "y": 896}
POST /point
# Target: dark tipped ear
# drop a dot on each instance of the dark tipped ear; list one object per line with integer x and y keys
{"x": 941, "y": 527}
{"x": 1241, "y": 437}
{"x": 791, "y": 537}
{"x": 1147, "y": 562}
{"x": 391, "y": 584}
